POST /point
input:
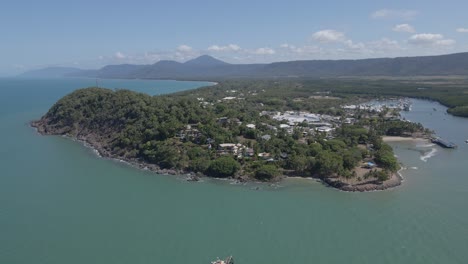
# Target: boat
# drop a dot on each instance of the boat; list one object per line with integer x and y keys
{"x": 466, "y": 141}
{"x": 443, "y": 143}
{"x": 228, "y": 260}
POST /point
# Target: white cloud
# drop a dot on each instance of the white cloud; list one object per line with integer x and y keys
{"x": 264, "y": 51}
{"x": 394, "y": 14}
{"x": 428, "y": 39}
{"x": 446, "y": 42}
{"x": 182, "y": 53}
{"x": 119, "y": 55}
{"x": 348, "y": 48}
{"x": 304, "y": 50}
{"x": 151, "y": 57}
{"x": 184, "y": 49}
{"x": 462, "y": 30}
{"x": 384, "y": 45}
{"x": 230, "y": 47}
{"x": 404, "y": 28}
{"x": 290, "y": 47}
{"x": 355, "y": 47}
{"x": 328, "y": 44}
{"x": 328, "y": 35}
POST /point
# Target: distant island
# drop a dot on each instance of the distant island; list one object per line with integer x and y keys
{"x": 244, "y": 130}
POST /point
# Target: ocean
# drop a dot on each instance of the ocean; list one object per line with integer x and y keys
{"x": 60, "y": 203}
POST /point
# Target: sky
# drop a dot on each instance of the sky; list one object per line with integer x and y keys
{"x": 91, "y": 34}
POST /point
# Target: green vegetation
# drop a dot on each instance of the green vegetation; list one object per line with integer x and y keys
{"x": 384, "y": 156}
{"x": 223, "y": 167}
{"x": 451, "y": 92}
{"x": 267, "y": 172}
{"x": 229, "y": 131}
{"x": 459, "y": 111}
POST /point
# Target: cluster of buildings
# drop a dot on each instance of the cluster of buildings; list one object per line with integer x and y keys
{"x": 238, "y": 150}
{"x": 290, "y": 121}
{"x": 190, "y": 132}
{"x": 309, "y": 122}
{"x": 241, "y": 151}
{"x": 380, "y": 106}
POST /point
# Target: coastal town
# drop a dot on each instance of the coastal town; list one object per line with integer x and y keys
{"x": 255, "y": 132}
{"x": 301, "y": 123}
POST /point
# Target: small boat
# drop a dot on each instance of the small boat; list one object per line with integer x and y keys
{"x": 228, "y": 260}
{"x": 466, "y": 141}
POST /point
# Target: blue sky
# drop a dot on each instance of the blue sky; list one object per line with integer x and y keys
{"x": 91, "y": 34}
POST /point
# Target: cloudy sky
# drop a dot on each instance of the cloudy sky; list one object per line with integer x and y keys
{"x": 91, "y": 34}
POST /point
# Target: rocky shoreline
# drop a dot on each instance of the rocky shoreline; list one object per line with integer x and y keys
{"x": 103, "y": 153}
{"x": 394, "y": 181}
{"x": 99, "y": 149}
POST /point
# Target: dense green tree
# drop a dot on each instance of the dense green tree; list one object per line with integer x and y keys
{"x": 266, "y": 172}
{"x": 329, "y": 163}
{"x": 300, "y": 164}
{"x": 387, "y": 160}
{"x": 223, "y": 167}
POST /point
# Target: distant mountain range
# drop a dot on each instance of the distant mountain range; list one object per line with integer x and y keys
{"x": 206, "y": 67}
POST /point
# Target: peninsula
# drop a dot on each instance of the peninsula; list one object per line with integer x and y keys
{"x": 244, "y": 130}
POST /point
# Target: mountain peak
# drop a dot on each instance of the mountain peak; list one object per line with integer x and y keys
{"x": 205, "y": 60}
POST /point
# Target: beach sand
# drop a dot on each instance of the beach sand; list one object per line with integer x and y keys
{"x": 396, "y": 139}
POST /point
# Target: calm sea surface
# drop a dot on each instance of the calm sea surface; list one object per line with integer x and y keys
{"x": 61, "y": 204}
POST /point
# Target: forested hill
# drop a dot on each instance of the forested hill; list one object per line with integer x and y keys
{"x": 206, "y": 67}
{"x": 231, "y": 138}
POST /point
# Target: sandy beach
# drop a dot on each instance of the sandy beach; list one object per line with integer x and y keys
{"x": 396, "y": 139}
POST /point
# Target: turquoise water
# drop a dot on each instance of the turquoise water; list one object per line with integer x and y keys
{"x": 59, "y": 203}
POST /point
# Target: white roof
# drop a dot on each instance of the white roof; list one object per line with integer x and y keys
{"x": 227, "y": 145}
{"x": 324, "y": 129}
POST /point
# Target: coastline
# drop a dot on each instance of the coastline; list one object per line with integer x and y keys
{"x": 101, "y": 152}
{"x": 395, "y": 180}
{"x": 399, "y": 139}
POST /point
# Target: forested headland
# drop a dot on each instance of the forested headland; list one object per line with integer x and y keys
{"x": 245, "y": 130}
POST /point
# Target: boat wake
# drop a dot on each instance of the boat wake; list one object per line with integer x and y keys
{"x": 428, "y": 155}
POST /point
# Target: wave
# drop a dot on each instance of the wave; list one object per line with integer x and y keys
{"x": 425, "y": 145}
{"x": 428, "y": 155}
